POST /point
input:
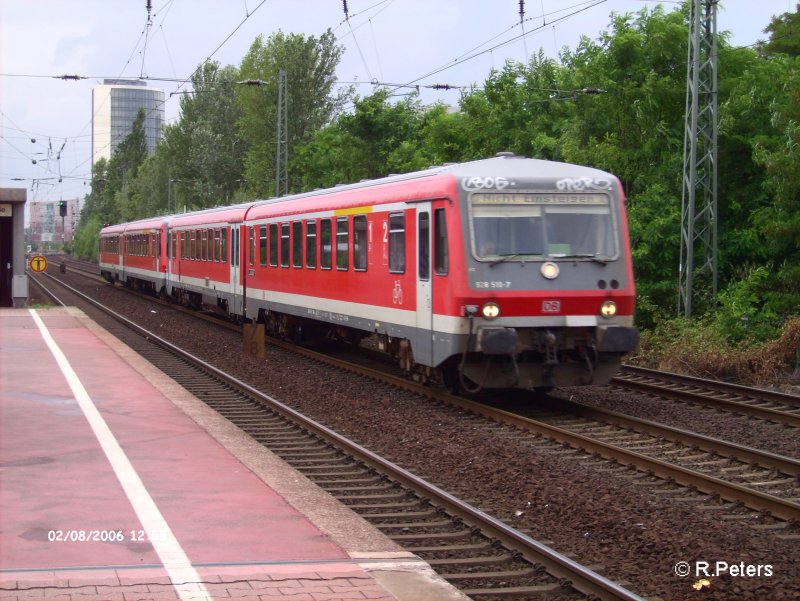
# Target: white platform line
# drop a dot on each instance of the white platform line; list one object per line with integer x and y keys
{"x": 185, "y": 579}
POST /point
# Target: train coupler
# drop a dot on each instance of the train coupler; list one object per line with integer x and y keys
{"x": 550, "y": 358}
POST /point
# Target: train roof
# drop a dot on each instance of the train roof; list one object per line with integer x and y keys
{"x": 434, "y": 181}
{"x": 148, "y": 223}
{"x": 230, "y": 213}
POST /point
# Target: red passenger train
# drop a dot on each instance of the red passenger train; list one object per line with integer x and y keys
{"x": 500, "y": 273}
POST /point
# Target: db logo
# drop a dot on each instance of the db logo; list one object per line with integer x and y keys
{"x": 551, "y": 306}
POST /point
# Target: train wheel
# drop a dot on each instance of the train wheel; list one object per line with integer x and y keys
{"x": 450, "y": 377}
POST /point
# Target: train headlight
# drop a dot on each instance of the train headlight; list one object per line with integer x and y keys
{"x": 608, "y": 309}
{"x": 549, "y": 270}
{"x": 490, "y": 310}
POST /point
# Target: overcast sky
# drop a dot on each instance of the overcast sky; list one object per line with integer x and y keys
{"x": 48, "y": 120}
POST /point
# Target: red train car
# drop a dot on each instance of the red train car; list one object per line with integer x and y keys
{"x": 203, "y": 265}
{"x": 501, "y": 273}
{"x": 135, "y": 253}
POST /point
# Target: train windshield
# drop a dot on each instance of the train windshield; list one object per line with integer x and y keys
{"x": 525, "y": 226}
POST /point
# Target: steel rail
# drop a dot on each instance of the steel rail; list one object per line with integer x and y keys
{"x": 718, "y": 385}
{"x": 766, "y": 413}
{"x": 781, "y": 463}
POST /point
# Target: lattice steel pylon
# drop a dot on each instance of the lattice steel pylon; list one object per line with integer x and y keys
{"x": 282, "y": 150}
{"x": 699, "y": 203}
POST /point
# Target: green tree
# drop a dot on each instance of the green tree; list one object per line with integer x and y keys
{"x": 310, "y": 64}
{"x": 784, "y": 32}
{"x": 378, "y": 138}
{"x": 202, "y": 155}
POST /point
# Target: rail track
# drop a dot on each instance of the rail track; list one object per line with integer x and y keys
{"x": 481, "y": 555}
{"x": 754, "y": 402}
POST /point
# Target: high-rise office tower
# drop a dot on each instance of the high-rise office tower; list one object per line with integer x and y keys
{"x": 114, "y": 108}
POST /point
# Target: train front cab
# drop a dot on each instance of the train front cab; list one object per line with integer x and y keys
{"x": 549, "y": 292}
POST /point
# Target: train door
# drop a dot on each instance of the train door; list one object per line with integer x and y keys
{"x": 120, "y": 267}
{"x": 236, "y": 295}
{"x": 424, "y": 282}
{"x": 171, "y": 248}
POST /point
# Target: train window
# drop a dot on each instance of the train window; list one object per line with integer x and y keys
{"x": 360, "y": 242}
{"x": 284, "y": 245}
{"x": 217, "y": 245}
{"x": 182, "y": 245}
{"x": 441, "y": 257}
{"x": 273, "y": 244}
{"x": 513, "y": 225}
{"x": 262, "y": 245}
{"x": 311, "y": 244}
{"x": 203, "y": 245}
{"x": 397, "y": 243}
{"x": 252, "y": 245}
{"x": 424, "y": 234}
{"x": 342, "y": 243}
{"x": 210, "y": 244}
{"x": 325, "y": 243}
{"x": 297, "y": 244}
{"x": 224, "y": 246}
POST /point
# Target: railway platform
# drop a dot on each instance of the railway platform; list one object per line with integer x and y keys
{"x": 116, "y": 484}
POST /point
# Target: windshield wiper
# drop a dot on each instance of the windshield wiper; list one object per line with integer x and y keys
{"x": 594, "y": 258}
{"x": 508, "y": 256}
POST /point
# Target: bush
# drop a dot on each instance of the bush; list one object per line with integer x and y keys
{"x": 700, "y": 348}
